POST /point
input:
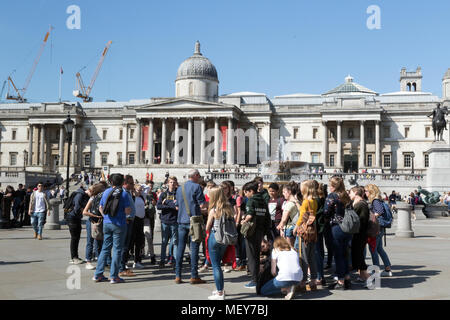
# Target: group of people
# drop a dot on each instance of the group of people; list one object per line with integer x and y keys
{"x": 282, "y": 230}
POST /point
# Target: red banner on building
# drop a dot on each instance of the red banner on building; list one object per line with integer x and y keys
{"x": 144, "y": 136}
{"x": 224, "y": 130}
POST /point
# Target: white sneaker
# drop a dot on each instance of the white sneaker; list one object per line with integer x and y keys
{"x": 90, "y": 266}
{"x": 203, "y": 269}
{"x": 290, "y": 294}
{"x": 216, "y": 296}
{"x": 77, "y": 261}
{"x": 386, "y": 273}
{"x": 227, "y": 269}
{"x": 137, "y": 265}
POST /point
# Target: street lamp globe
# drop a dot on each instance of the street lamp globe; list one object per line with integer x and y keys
{"x": 68, "y": 124}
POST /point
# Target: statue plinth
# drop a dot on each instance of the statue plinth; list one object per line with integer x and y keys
{"x": 438, "y": 173}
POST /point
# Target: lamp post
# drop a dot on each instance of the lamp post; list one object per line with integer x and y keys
{"x": 412, "y": 162}
{"x": 68, "y": 125}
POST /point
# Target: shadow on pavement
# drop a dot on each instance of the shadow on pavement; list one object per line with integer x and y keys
{"x": 18, "y": 262}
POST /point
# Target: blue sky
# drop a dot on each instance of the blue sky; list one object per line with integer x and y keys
{"x": 274, "y": 47}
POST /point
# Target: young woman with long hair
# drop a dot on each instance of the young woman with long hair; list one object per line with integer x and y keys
{"x": 290, "y": 212}
{"x": 218, "y": 206}
{"x": 376, "y": 206}
{"x": 334, "y": 209}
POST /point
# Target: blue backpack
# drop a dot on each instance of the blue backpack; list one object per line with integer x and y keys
{"x": 386, "y": 219}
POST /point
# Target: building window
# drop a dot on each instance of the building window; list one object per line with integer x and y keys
{"x": 295, "y": 135}
{"x": 369, "y": 160}
{"x": 104, "y": 157}
{"x": 350, "y": 133}
{"x": 28, "y": 134}
{"x": 13, "y": 158}
{"x": 131, "y": 133}
{"x": 87, "y": 159}
{"x": 427, "y": 132}
{"x": 105, "y": 132}
{"x": 407, "y": 160}
{"x": 120, "y": 134}
{"x": 295, "y": 156}
{"x": 14, "y": 135}
{"x": 315, "y": 133}
{"x": 88, "y": 134}
{"x": 387, "y": 160}
{"x": 426, "y": 160}
{"x": 370, "y": 133}
{"x": 406, "y": 132}
{"x": 332, "y": 134}
{"x": 332, "y": 160}
{"x": 387, "y": 132}
{"x": 131, "y": 158}
{"x": 315, "y": 157}
{"x": 119, "y": 158}
{"x": 191, "y": 89}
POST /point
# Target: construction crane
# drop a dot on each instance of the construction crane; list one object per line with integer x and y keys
{"x": 82, "y": 91}
{"x": 21, "y": 92}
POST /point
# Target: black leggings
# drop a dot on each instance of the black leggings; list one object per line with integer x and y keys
{"x": 138, "y": 238}
{"x": 75, "y": 234}
{"x": 358, "y": 259}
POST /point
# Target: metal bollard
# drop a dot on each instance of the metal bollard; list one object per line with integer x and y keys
{"x": 52, "y": 222}
{"x": 404, "y": 226}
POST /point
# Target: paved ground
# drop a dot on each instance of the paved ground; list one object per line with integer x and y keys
{"x": 32, "y": 269}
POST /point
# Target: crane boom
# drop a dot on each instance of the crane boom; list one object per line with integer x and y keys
{"x": 84, "y": 92}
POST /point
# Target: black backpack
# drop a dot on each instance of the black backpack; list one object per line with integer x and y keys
{"x": 69, "y": 203}
{"x": 112, "y": 202}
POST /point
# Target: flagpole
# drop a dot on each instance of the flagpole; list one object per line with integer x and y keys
{"x": 60, "y": 76}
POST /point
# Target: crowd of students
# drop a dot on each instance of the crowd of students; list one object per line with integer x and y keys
{"x": 288, "y": 234}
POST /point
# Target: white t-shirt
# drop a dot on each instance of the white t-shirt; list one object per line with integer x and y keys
{"x": 39, "y": 202}
{"x": 140, "y": 207}
{"x": 288, "y": 265}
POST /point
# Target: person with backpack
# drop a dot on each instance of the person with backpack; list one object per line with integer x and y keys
{"x": 289, "y": 274}
{"x": 94, "y": 217}
{"x": 306, "y": 230}
{"x": 115, "y": 207}
{"x": 220, "y": 211}
{"x": 384, "y": 216}
{"x": 321, "y": 223}
{"x": 74, "y": 209}
{"x": 359, "y": 240}
{"x": 257, "y": 212}
{"x": 38, "y": 209}
{"x": 149, "y": 222}
{"x": 138, "y": 238}
{"x": 334, "y": 210}
{"x": 169, "y": 227}
{"x": 290, "y": 213}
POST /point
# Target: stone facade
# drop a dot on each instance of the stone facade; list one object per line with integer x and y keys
{"x": 349, "y": 128}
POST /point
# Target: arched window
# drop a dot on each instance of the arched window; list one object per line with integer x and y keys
{"x": 191, "y": 89}
{"x": 409, "y": 86}
{"x": 415, "y": 86}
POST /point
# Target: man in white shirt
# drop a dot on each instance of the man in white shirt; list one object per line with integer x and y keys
{"x": 39, "y": 207}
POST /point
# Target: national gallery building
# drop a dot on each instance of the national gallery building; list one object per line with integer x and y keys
{"x": 348, "y": 128}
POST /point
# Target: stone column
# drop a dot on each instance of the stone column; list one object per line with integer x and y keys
{"x": 52, "y": 221}
{"x": 362, "y": 146}
{"x": 125, "y": 145}
{"x": 42, "y": 146}
{"x": 404, "y": 227}
{"x": 189, "y": 142}
{"x": 61, "y": 145}
{"x": 230, "y": 142}
{"x": 176, "y": 147}
{"x": 339, "y": 145}
{"x": 30, "y": 146}
{"x": 377, "y": 145}
{"x": 202, "y": 141}
{"x": 138, "y": 141}
{"x": 216, "y": 141}
{"x": 325, "y": 144}
{"x": 150, "y": 141}
{"x": 74, "y": 144}
{"x": 163, "y": 141}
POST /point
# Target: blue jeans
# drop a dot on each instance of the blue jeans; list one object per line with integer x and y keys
{"x": 125, "y": 255}
{"x": 93, "y": 247}
{"x": 216, "y": 252}
{"x": 183, "y": 238}
{"x": 37, "y": 221}
{"x": 340, "y": 244}
{"x": 380, "y": 251}
{"x": 320, "y": 255}
{"x": 168, "y": 231}
{"x": 241, "y": 254}
{"x": 114, "y": 237}
{"x": 274, "y": 286}
{"x": 448, "y": 204}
